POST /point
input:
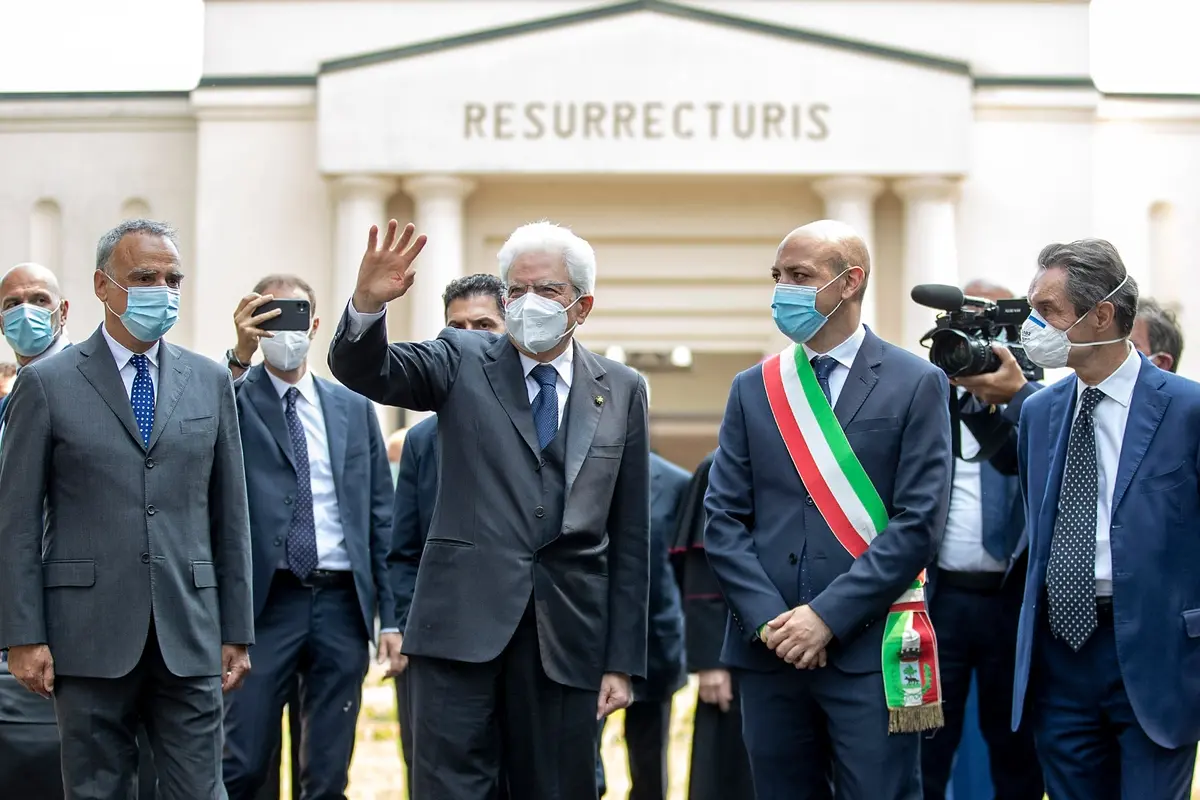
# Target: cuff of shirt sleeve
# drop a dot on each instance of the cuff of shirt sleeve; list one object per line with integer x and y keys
{"x": 357, "y": 322}
{"x": 388, "y": 630}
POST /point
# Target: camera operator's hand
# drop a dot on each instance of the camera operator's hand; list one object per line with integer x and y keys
{"x": 996, "y": 388}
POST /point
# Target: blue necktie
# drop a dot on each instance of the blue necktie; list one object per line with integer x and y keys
{"x": 545, "y": 405}
{"x": 142, "y": 397}
{"x": 302, "y": 533}
{"x": 824, "y": 366}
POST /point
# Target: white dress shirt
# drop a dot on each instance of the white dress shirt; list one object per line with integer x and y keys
{"x": 962, "y": 548}
{"x": 844, "y": 354}
{"x": 357, "y": 322}
{"x": 331, "y": 539}
{"x": 122, "y": 354}
{"x": 1108, "y": 419}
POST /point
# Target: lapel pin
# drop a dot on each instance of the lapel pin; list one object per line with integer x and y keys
{"x": 599, "y": 400}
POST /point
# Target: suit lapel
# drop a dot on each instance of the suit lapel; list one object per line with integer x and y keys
{"x": 1061, "y": 411}
{"x": 585, "y": 404}
{"x": 270, "y": 408}
{"x": 507, "y": 378}
{"x": 98, "y": 367}
{"x": 861, "y": 380}
{"x": 173, "y": 376}
{"x": 1147, "y": 406}
{"x": 336, "y": 414}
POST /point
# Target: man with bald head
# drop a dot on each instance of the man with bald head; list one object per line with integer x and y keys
{"x": 34, "y": 315}
{"x": 826, "y": 498}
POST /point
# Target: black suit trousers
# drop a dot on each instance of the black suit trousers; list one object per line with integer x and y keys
{"x": 461, "y": 714}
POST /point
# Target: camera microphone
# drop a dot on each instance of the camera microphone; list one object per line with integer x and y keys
{"x": 939, "y": 296}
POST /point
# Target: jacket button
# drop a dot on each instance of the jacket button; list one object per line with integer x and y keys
{"x": 278, "y": 541}
{"x": 808, "y": 501}
{"x": 792, "y": 558}
{"x": 149, "y": 463}
{"x": 539, "y": 512}
{"x": 151, "y": 510}
{"x": 287, "y": 500}
{"x": 145, "y": 558}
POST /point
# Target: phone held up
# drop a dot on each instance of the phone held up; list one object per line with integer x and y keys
{"x": 295, "y": 315}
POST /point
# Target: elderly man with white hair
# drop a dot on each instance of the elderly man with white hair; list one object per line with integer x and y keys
{"x": 825, "y": 501}
{"x": 529, "y": 616}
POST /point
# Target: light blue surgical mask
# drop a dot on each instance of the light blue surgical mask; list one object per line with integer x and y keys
{"x": 794, "y": 309}
{"x": 150, "y": 312}
{"x": 29, "y": 329}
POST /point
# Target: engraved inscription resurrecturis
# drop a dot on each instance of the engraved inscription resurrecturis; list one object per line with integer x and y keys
{"x": 646, "y": 121}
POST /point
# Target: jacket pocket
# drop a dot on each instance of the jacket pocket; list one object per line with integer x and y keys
{"x": 1191, "y": 623}
{"x": 1164, "y": 480}
{"x": 198, "y": 425}
{"x": 873, "y": 424}
{"x": 79, "y": 572}
{"x": 606, "y": 451}
{"x": 438, "y": 542}
{"x": 204, "y": 574}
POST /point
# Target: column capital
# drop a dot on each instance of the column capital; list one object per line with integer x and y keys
{"x": 927, "y": 187}
{"x": 433, "y": 187}
{"x": 364, "y": 185}
{"x": 848, "y": 187}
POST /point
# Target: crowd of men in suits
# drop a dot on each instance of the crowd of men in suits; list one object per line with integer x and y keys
{"x": 191, "y": 546}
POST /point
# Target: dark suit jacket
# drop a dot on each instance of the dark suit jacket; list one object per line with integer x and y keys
{"x": 1154, "y": 537}
{"x": 360, "y": 474}
{"x": 412, "y": 514}
{"x": 100, "y": 533}
{"x": 665, "y": 668}
{"x": 895, "y": 411}
{"x": 481, "y": 561}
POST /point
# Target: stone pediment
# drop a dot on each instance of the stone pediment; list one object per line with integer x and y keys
{"x": 645, "y": 87}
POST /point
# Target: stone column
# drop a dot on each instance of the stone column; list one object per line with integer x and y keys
{"x": 851, "y": 199}
{"x": 361, "y": 203}
{"x": 437, "y": 213}
{"x": 930, "y": 246}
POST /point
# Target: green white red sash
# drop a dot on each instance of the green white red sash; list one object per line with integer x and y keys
{"x": 847, "y": 500}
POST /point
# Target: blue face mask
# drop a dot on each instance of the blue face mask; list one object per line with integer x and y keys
{"x": 29, "y": 329}
{"x": 150, "y": 312}
{"x": 794, "y": 309}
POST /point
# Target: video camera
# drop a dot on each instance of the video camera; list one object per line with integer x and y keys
{"x": 961, "y": 343}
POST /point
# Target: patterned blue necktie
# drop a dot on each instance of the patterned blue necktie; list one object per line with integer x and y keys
{"x": 302, "y": 533}
{"x": 142, "y": 397}
{"x": 545, "y": 405}
{"x": 824, "y": 366}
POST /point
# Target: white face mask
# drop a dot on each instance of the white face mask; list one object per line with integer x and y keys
{"x": 1047, "y": 346}
{"x": 535, "y": 323}
{"x": 286, "y": 350}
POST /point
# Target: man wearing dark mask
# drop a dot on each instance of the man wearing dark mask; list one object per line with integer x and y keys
{"x": 529, "y": 614}
{"x": 125, "y": 582}
{"x": 826, "y": 498}
{"x": 1109, "y": 460}
{"x": 320, "y": 518}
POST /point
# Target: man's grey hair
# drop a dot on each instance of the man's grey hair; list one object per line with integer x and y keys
{"x": 1162, "y": 329}
{"x": 1094, "y": 270}
{"x": 546, "y": 237}
{"x": 109, "y": 241}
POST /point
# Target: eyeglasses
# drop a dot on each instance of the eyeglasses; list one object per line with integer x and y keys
{"x": 548, "y": 290}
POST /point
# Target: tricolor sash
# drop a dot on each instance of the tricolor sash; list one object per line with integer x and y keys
{"x": 846, "y": 498}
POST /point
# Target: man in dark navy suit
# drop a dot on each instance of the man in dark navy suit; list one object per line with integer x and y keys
{"x": 473, "y": 303}
{"x": 648, "y": 719}
{"x": 1109, "y": 458}
{"x": 975, "y": 590}
{"x": 808, "y": 591}
{"x": 320, "y": 517}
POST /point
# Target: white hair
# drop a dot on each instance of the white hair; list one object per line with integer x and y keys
{"x": 546, "y": 237}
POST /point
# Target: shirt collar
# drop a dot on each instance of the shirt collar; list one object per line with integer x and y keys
{"x": 121, "y": 354}
{"x": 845, "y": 352}
{"x": 1119, "y": 385}
{"x": 563, "y": 365}
{"x": 306, "y": 386}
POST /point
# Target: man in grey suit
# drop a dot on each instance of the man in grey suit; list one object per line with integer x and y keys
{"x": 125, "y": 582}
{"x": 529, "y": 614}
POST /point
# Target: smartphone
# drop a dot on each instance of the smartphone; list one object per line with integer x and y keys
{"x": 296, "y": 315}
